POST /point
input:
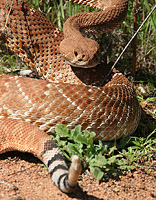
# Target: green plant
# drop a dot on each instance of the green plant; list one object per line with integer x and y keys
{"x": 103, "y": 157}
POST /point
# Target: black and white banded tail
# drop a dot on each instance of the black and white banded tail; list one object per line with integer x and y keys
{"x": 65, "y": 179}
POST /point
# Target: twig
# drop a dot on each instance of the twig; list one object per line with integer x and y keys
{"x": 22, "y": 170}
{"x": 134, "y": 43}
{"x": 128, "y": 45}
{"x": 9, "y": 185}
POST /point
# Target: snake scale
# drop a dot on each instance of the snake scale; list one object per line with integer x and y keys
{"x": 71, "y": 94}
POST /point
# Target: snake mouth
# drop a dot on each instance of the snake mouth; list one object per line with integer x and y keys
{"x": 91, "y": 65}
{"x": 84, "y": 63}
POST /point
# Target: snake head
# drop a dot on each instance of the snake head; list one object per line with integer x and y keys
{"x": 82, "y": 52}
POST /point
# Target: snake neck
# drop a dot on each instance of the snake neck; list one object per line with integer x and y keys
{"x": 111, "y": 14}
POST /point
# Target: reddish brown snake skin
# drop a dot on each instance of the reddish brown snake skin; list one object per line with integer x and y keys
{"x": 70, "y": 95}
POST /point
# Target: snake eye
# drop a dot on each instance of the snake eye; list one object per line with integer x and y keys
{"x": 75, "y": 52}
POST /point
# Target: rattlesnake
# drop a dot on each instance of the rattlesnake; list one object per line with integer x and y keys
{"x": 70, "y": 95}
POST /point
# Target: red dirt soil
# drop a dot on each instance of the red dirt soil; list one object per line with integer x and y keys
{"x": 23, "y": 177}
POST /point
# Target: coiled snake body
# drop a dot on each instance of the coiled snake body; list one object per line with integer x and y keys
{"x": 70, "y": 95}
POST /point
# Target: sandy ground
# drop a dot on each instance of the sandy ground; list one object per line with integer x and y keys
{"x": 23, "y": 177}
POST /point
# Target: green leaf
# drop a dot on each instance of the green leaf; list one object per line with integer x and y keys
{"x": 82, "y": 139}
{"x": 76, "y": 131}
{"x": 75, "y": 149}
{"x": 62, "y": 130}
{"x": 99, "y": 161}
{"x": 97, "y": 172}
{"x": 91, "y": 137}
{"x": 125, "y": 167}
{"x": 113, "y": 159}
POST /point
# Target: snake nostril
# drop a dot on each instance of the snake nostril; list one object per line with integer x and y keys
{"x": 83, "y": 56}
